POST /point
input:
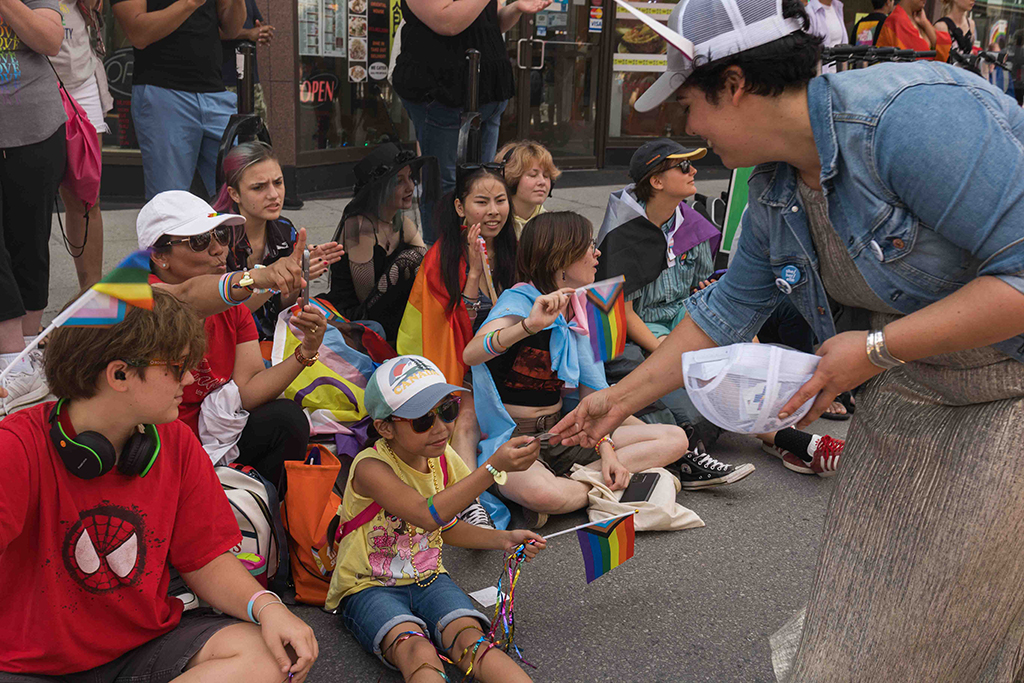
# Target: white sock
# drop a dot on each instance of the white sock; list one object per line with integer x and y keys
{"x": 23, "y": 365}
{"x": 813, "y": 445}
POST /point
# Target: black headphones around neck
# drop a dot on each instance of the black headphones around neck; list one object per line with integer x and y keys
{"x": 514, "y": 188}
{"x": 90, "y": 454}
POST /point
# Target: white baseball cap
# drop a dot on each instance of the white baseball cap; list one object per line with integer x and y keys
{"x": 717, "y": 29}
{"x": 179, "y": 213}
{"x": 742, "y": 387}
{"x": 407, "y": 386}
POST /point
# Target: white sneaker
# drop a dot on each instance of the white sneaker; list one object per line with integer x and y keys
{"x": 24, "y": 388}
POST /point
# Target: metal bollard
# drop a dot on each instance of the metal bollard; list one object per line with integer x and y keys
{"x": 470, "y": 139}
{"x": 245, "y": 60}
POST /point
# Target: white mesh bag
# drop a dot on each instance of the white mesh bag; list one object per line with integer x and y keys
{"x": 742, "y": 387}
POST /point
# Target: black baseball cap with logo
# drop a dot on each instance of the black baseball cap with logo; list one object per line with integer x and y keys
{"x": 652, "y": 153}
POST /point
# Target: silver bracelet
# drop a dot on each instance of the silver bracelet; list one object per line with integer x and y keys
{"x": 879, "y": 354}
{"x": 260, "y": 610}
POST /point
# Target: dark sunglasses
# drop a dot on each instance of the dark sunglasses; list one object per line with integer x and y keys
{"x": 201, "y": 242}
{"x": 463, "y": 171}
{"x": 683, "y": 166}
{"x": 177, "y": 367}
{"x": 448, "y": 410}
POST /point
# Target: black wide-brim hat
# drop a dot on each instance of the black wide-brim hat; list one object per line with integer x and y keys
{"x": 384, "y": 162}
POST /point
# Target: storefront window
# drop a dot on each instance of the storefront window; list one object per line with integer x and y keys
{"x": 345, "y": 50}
{"x": 119, "y": 62}
{"x": 1001, "y": 28}
{"x": 638, "y": 61}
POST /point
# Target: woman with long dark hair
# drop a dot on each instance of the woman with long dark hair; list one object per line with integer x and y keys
{"x": 459, "y": 282}
{"x": 381, "y": 237}
{"x": 254, "y": 189}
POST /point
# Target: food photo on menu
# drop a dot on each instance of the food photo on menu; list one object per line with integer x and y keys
{"x": 357, "y": 6}
{"x": 357, "y": 27}
{"x": 357, "y": 50}
{"x": 356, "y": 73}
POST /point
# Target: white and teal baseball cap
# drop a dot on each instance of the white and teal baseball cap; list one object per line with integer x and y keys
{"x": 407, "y": 386}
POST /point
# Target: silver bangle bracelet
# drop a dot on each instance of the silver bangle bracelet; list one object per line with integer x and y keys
{"x": 260, "y": 610}
{"x": 879, "y": 354}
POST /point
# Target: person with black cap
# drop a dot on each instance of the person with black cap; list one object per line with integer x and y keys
{"x": 922, "y": 554}
{"x": 382, "y": 239}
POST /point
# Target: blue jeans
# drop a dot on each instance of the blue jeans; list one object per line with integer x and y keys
{"x": 372, "y": 612}
{"x": 437, "y": 130}
{"x": 179, "y": 132}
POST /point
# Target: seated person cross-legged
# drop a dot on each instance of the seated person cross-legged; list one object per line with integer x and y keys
{"x": 190, "y": 240}
{"x": 103, "y": 492}
{"x": 526, "y": 356}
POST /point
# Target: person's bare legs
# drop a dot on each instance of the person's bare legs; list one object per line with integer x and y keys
{"x": 236, "y": 653}
{"x": 466, "y": 435}
{"x": 641, "y": 447}
{"x": 411, "y": 654}
{"x": 89, "y": 247}
{"x": 488, "y": 666}
{"x": 538, "y": 489}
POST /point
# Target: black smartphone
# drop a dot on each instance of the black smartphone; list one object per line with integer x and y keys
{"x": 305, "y": 276}
{"x": 641, "y": 486}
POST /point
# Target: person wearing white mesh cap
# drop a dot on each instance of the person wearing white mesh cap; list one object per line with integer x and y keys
{"x": 922, "y": 558}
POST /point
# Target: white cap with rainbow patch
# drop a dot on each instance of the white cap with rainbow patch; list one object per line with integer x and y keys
{"x": 407, "y": 386}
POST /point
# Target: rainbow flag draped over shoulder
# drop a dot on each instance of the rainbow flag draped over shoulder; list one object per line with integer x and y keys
{"x": 606, "y": 545}
{"x": 600, "y": 312}
{"x": 428, "y": 328}
{"x": 106, "y": 302}
{"x": 900, "y": 31}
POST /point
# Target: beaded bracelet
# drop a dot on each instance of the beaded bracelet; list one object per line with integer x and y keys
{"x": 597, "y": 446}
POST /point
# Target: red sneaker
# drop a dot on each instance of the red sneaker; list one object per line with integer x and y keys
{"x": 825, "y": 460}
{"x": 789, "y": 460}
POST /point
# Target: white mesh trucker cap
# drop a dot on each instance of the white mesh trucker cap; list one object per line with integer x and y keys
{"x": 742, "y": 387}
{"x": 716, "y": 29}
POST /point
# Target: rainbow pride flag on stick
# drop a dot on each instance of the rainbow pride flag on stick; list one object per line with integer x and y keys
{"x": 606, "y": 544}
{"x": 600, "y": 311}
{"x": 105, "y": 303}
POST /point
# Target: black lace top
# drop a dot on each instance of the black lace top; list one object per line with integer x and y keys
{"x": 433, "y": 67}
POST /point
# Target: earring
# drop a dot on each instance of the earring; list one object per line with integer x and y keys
{"x": 163, "y": 265}
{"x": 563, "y": 276}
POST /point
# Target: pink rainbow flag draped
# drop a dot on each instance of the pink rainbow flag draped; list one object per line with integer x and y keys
{"x": 603, "y": 306}
{"x": 107, "y": 301}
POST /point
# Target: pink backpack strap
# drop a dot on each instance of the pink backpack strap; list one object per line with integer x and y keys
{"x": 371, "y": 510}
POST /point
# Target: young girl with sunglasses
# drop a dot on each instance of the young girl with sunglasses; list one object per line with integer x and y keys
{"x": 189, "y": 242}
{"x": 399, "y": 511}
{"x": 254, "y": 188}
{"x": 458, "y": 283}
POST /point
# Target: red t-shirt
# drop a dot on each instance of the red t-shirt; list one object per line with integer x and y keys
{"x": 224, "y": 332}
{"x": 84, "y": 564}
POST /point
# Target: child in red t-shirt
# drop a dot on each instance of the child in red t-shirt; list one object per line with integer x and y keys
{"x": 102, "y": 493}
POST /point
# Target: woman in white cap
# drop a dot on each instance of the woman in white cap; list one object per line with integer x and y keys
{"x": 922, "y": 560}
{"x": 189, "y": 240}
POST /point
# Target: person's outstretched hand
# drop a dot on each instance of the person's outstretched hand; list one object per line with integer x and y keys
{"x": 597, "y": 414}
{"x": 844, "y": 365}
{"x": 322, "y": 257}
{"x": 532, "y": 6}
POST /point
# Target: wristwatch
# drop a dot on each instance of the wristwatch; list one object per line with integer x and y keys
{"x": 499, "y": 477}
{"x": 308, "y": 362}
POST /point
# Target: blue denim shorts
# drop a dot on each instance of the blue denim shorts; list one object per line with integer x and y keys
{"x": 372, "y": 612}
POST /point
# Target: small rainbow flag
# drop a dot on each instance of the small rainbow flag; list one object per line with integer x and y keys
{"x": 604, "y": 306}
{"x": 107, "y": 301}
{"x": 606, "y": 545}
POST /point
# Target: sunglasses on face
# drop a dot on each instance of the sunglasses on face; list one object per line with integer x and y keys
{"x": 447, "y": 410}
{"x": 222, "y": 233}
{"x": 683, "y": 166}
{"x": 176, "y": 367}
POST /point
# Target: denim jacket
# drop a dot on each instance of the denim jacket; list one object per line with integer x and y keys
{"x": 922, "y": 168}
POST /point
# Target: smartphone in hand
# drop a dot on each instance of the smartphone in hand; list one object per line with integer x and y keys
{"x": 305, "y": 276}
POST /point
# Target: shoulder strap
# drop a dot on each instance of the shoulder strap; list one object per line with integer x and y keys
{"x": 371, "y": 510}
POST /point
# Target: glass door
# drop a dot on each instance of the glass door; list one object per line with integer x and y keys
{"x": 556, "y": 54}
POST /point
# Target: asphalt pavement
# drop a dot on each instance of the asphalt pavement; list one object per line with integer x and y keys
{"x": 694, "y": 605}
